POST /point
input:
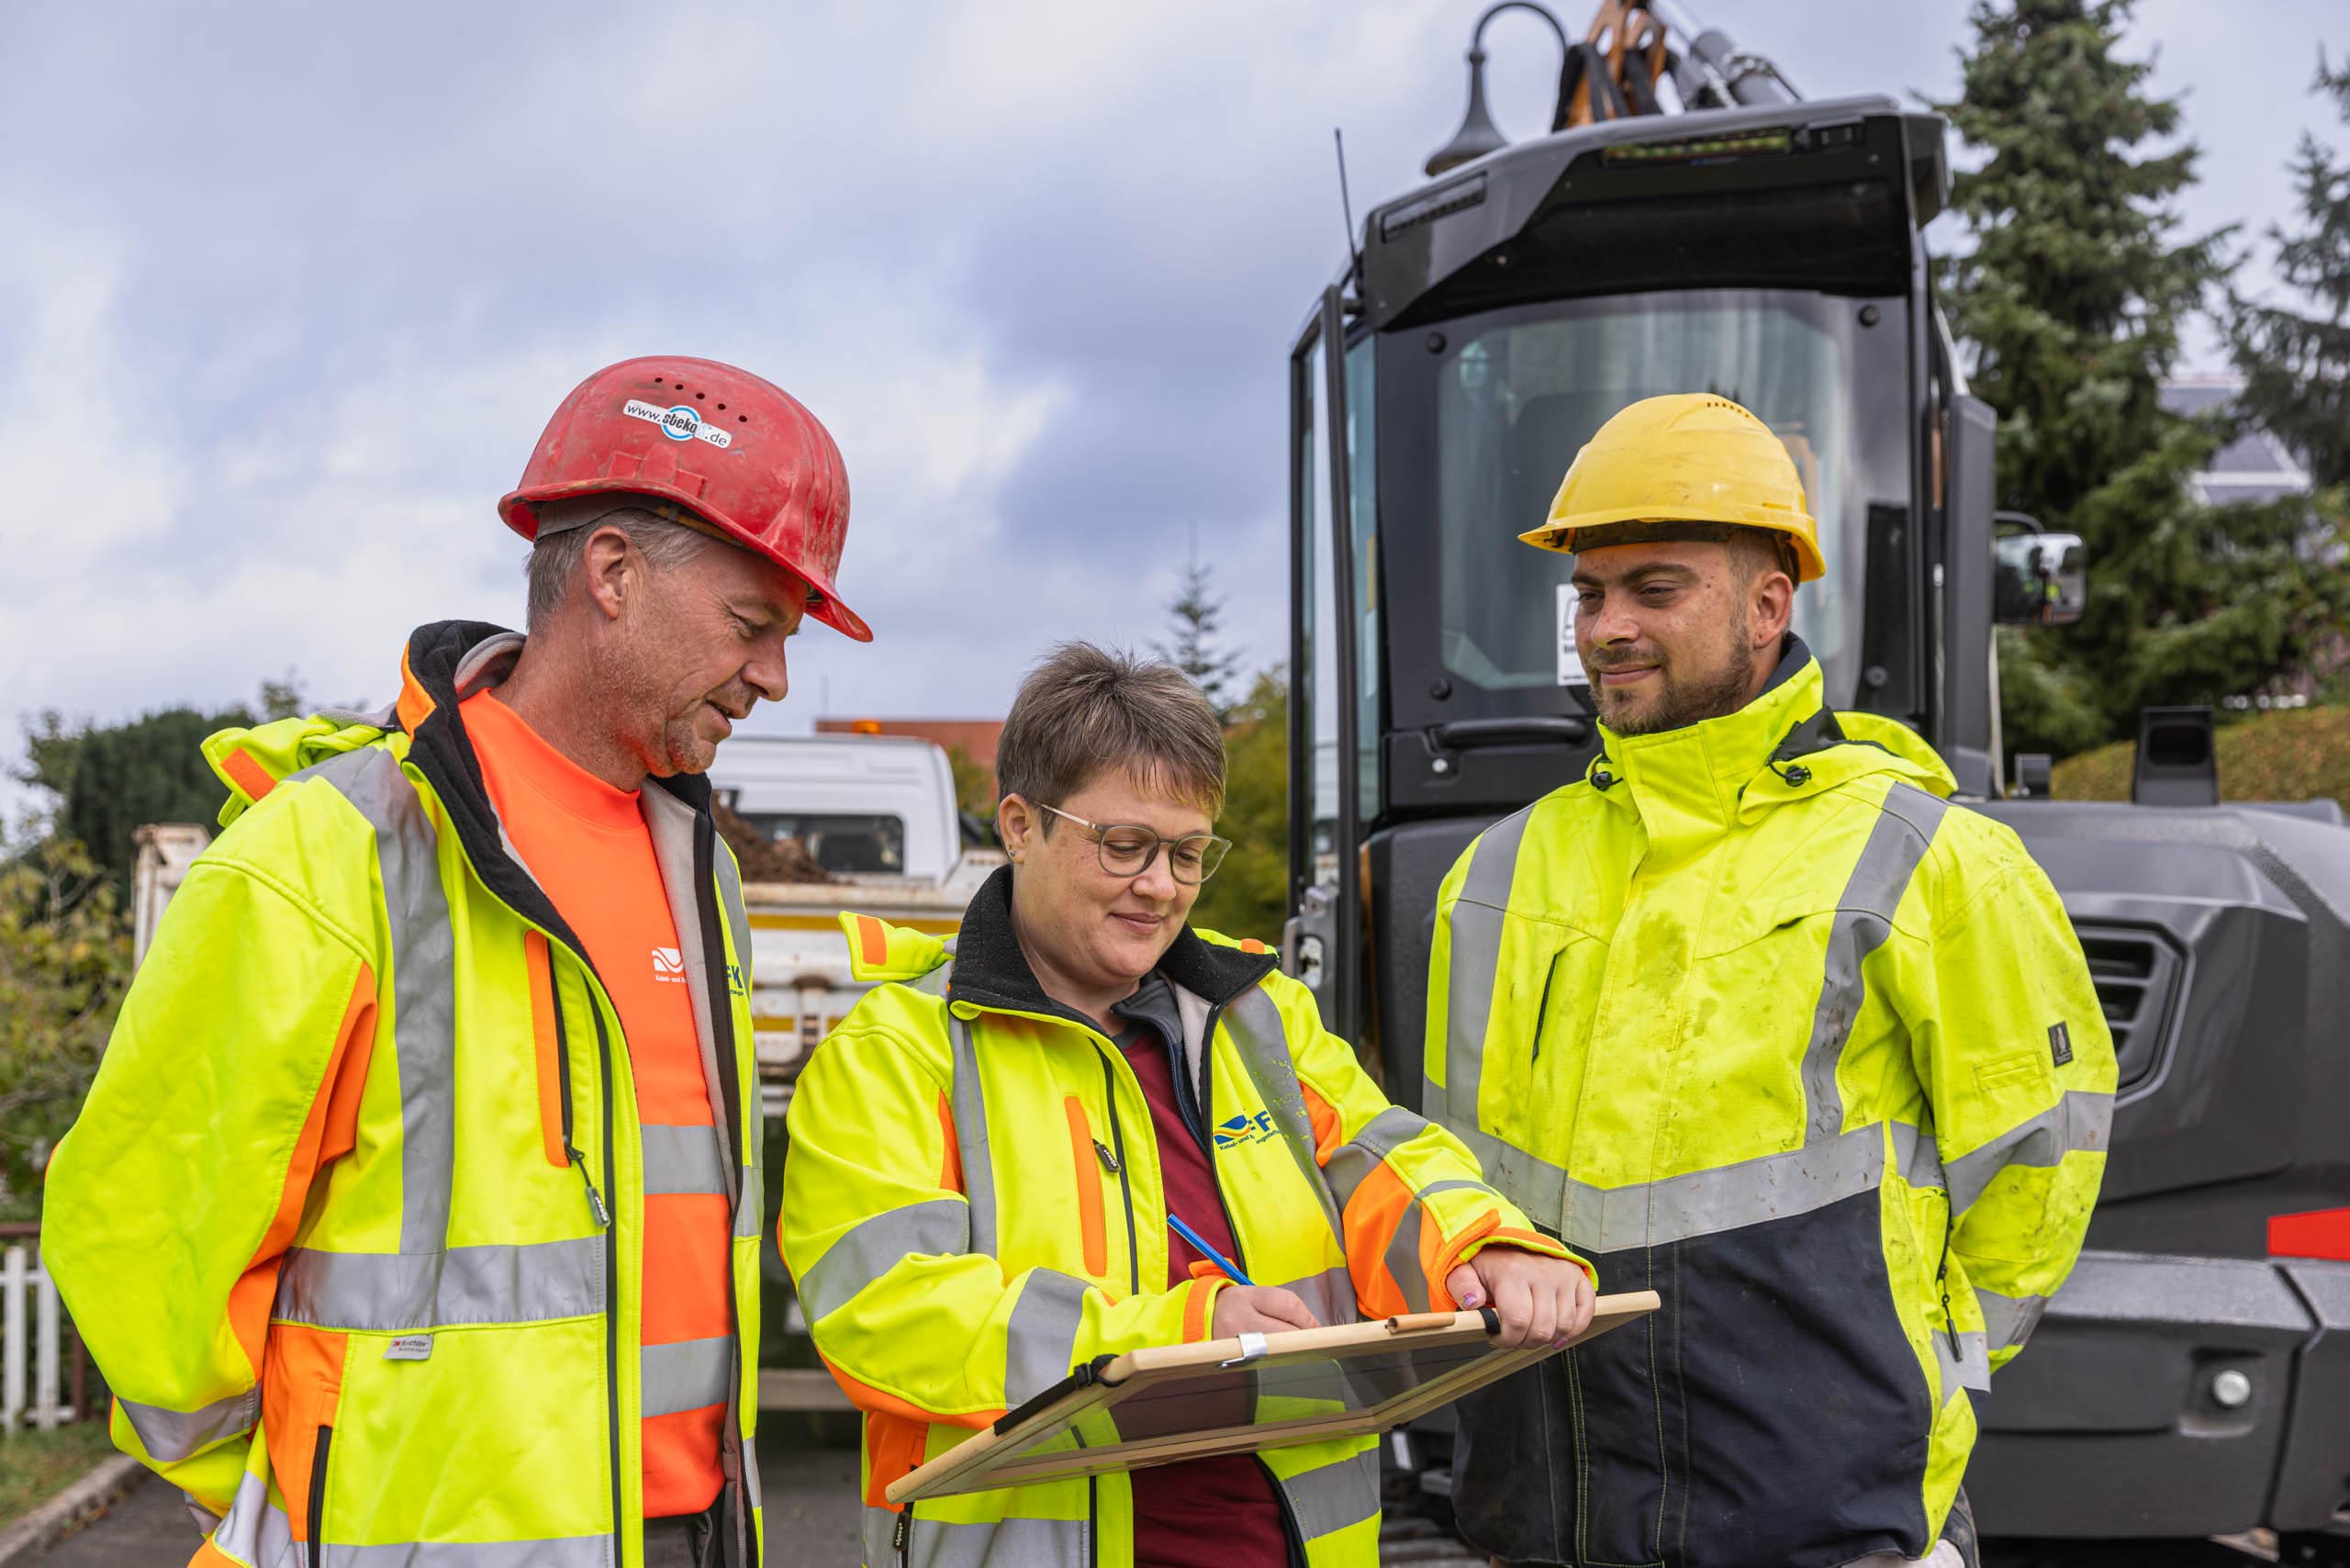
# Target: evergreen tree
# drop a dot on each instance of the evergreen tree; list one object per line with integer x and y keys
{"x": 1194, "y": 616}
{"x": 2296, "y": 364}
{"x": 1248, "y": 896}
{"x": 2072, "y": 298}
{"x": 110, "y": 779}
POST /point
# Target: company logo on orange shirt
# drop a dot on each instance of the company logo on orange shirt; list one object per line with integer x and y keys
{"x": 669, "y": 966}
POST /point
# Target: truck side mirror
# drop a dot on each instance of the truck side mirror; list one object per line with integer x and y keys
{"x": 2038, "y": 579}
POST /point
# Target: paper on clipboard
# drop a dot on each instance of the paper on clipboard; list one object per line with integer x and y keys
{"x": 1179, "y": 1402}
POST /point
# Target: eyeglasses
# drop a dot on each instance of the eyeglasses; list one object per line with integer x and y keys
{"x": 1126, "y": 849}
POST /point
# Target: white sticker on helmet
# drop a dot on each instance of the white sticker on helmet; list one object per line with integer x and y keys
{"x": 683, "y": 422}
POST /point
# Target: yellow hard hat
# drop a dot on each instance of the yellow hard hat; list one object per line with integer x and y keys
{"x": 1688, "y": 457}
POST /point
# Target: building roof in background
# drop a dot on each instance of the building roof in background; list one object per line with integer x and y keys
{"x": 2257, "y": 467}
{"x": 977, "y": 737}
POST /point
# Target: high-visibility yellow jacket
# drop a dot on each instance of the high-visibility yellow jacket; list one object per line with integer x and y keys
{"x": 1753, "y": 1017}
{"x": 972, "y": 1208}
{"x": 350, "y": 1218}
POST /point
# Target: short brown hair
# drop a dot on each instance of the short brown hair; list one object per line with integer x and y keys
{"x": 1085, "y": 709}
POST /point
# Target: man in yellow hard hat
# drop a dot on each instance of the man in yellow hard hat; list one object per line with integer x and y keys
{"x": 1752, "y": 1016}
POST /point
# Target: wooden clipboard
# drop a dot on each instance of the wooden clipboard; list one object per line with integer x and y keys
{"x": 1239, "y": 1396}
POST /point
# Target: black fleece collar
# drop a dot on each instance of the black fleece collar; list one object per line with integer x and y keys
{"x": 991, "y": 971}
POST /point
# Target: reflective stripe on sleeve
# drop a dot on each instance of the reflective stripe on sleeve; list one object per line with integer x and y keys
{"x": 1041, "y": 1340}
{"x": 876, "y": 1244}
{"x": 2007, "y": 1320}
{"x": 171, "y": 1435}
{"x": 2082, "y": 1122}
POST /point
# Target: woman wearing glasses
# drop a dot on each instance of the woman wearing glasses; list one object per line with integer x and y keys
{"x": 1082, "y": 1128}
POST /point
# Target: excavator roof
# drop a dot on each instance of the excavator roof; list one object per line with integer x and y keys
{"x": 1825, "y": 194}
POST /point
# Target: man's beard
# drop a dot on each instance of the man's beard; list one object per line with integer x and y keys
{"x": 1678, "y": 702}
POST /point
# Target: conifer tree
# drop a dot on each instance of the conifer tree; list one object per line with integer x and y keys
{"x": 2071, "y": 299}
{"x": 2296, "y": 363}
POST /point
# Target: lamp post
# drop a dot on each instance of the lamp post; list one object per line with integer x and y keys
{"x": 1478, "y": 134}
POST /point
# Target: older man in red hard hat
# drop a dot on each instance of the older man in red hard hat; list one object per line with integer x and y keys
{"x": 414, "y": 1213}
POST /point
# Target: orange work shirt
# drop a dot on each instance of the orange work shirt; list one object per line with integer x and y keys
{"x": 588, "y": 844}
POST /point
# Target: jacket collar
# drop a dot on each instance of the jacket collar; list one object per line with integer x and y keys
{"x": 1691, "y": 784}
{"x": 991, "y": 971}
{"x": 443, "y": 664}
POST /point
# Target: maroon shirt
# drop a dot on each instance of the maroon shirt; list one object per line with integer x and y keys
{"x": 1197, "y": 1513}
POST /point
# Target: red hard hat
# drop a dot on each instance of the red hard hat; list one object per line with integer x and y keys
{"x": 739, "y": 453}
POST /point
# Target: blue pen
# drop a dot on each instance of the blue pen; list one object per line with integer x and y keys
{"x": 1199, "y": 1243}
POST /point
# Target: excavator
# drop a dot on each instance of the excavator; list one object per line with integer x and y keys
{"x": 1690, "y": 223}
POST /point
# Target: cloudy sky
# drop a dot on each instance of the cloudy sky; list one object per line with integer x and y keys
{"x": 287, "y": 293}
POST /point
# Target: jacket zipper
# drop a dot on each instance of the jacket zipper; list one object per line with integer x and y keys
{"x": 1941, "y": 1282}
{"x": 611, "y": 1273}
{"x": 1125, "y": 1182}
{"x": 318, "y": 1496}
{"x": 596, "y": 1208}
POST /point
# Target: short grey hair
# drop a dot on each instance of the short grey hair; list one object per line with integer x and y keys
{"x": 555, "y": 559}
{"x": 1085, "y": 709}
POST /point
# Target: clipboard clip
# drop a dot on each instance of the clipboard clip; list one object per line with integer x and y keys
{"x": 1252, "y": 1348}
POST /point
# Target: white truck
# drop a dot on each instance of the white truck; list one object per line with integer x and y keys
{"x": 879, "y": 812}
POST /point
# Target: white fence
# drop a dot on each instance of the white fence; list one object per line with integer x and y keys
{"x": 38, "y": 1355}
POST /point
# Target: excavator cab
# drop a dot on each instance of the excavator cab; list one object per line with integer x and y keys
{"x": 2193, "y": 1378}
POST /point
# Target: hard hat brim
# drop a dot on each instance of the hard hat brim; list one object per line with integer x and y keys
{"x": 1589, "y": 531}
{"x": 519, "y": 512}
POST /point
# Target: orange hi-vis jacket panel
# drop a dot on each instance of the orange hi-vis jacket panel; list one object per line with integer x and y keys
{"x": 588, "y": 845}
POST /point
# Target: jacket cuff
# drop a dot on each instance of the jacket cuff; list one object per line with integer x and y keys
{"x": 1199, "y": 1305}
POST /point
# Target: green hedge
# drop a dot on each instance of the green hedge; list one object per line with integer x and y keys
{"x": 2298, "y": 755}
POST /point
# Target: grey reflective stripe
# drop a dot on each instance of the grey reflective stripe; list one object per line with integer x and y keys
{"x": 936, "y": 982}
{"x": 673, "y": 826}
{"x": 1040, "y": 1343}
{"x": 2082, "y": 1122}
{"x": 1921, "y": 1167}
{"x": 2009, "y": 1320}
{"x": 1404, "y": 1258}
{"x": 692, "y": 1374}
{"x": 875, "y": 1245}
{"x": 1254, "y": 1024}
{"x": 1329, "y": 1296}
{"x": 567, "y": 1552}
{"x": 1896, "y": 842}
{"x": 1332, "y": 1497}
{"x": 423, "y": 981}
{"x": 1970, "y": 1368}
{"x": 750, "y": 1215}
{"x": 408, "y": 1292}
{"x": 1008, "y": 1543}
{"x": 683, "y": 1159}
{"x": 254, "y": 1532}
{"x": 1352, "y": 1162}
{"x": 1704, "y": 1202}
{"x": 1452, "y": 1184}
{"x": 1475, "y": 923}
{"x": 729, "y": 903}
{"x": 170, "y": 1434}
{"x": 969, "y": 1109}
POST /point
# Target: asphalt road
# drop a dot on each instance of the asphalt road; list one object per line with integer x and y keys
{"x": 812, "y": 1512}
{"x": 810, "y": 1495}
